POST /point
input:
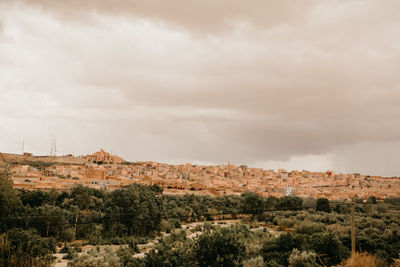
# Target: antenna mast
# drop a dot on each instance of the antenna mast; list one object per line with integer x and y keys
{"x": 53, "y": 150}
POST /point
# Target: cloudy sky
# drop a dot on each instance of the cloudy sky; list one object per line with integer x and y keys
{"x": 295, "y": 84}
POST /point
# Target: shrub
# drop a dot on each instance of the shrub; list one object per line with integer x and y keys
{"x": 285, "y": 223}
{"x": 254, "y": 262}
{"x": 308, "y": 227}
{"x": 68, "y": 235}
{"x": 25, "y": 248}
{"x": 323, "y": 205}
{"x": 362, "y": 260}
{"x": 165, "y": 255}
{"x": 328, "y": 246}
{"x": 302, "y": 259}
{"x": 96, "y": 257}
{"x": 223, "y": 247}
{"x": 279, "y": 249}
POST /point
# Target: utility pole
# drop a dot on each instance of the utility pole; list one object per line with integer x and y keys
{"x": 23, "y": 147}
{"x": 353, "y": 231}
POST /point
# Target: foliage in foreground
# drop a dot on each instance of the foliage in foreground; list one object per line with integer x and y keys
{"x": 137, "y": 213}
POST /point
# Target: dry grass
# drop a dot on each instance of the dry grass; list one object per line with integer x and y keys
{"x": 364, "y": 260}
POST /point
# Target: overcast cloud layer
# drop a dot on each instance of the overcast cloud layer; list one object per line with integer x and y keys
{"x": 294, "y": 84}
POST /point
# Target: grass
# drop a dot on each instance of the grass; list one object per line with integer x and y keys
{"x": 364, "y": 259}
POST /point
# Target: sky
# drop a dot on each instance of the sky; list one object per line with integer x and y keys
{"x": 311, "y": 85}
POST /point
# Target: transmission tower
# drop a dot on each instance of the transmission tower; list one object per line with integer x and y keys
{"x": 53, "y": 150}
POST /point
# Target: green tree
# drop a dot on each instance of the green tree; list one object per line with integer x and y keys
{"x": 86, "y": 198}
{"x": 372, "y": 199}
{"x": 25, "y": 248}
{"x": 323, "y": 205}
{"x": 223, "y": 247}
{"x": 33, "y": 198}
{"x": 289, "y": 203}
{"x": 327, "y": 246}
{"x": 50, "y": 220}
{"x": 279, "y": 249}
{"x": 165, "y": 255}
{"x": 9, "y": 199}
{"x": 251, "y": 203}
{"x": 86, "y": 206}
{"x": 270, "y": 203}
{"x": 136, "y": 207}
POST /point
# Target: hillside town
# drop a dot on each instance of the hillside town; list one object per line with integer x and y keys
{"x": 103, "y": 170}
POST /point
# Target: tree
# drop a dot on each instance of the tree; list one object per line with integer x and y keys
{"x": 323, "y": 205}
{"x": 9, "y": 199}
{"x": 25, "y": 248}
{"x": 279, "y": 249}
{"x": 270, "y": 203}
{"x": 157, "y": 189}
{"x": 86, "y": 198}
{"x": 372, "y": 199}
{"x": 84, "y": 201}
{"x": 251, "y": 203}
{"x": 289, "y": 203}
{"x": 136, "y": 207}
{"x": 50, "y": 220}
{"x": 223, "y": 247}
{"x": 33, "y": 198}
{"x": 328, "y": 246}
{"x": 167, "y": 256}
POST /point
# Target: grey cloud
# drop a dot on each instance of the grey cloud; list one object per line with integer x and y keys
{"x": 269, "y": 82}
{"x": 204, "y": 16}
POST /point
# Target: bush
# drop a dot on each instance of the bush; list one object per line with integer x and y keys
{"x": 328, "y": 246}
{"x": 165, "y": 255}
{"x": 323, "y": 205}
{"x": 68, "y": 235}
{"x": 279, "y": 249}
{"x": 254, "y": 262}
{"x": 26, "y": 248}
{"x": 286, "y": 223}
{"x": 308, "y": 227}
{"x": 302, "y": 259}
{"x": 223, "y": 247}
{"x": 96, "y": 257}
{"x": 168, "y": 225}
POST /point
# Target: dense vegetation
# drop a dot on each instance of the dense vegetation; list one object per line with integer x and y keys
{"x": 309, "y": 232}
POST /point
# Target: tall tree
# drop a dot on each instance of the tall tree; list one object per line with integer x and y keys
{"x": 136, "y": 207}
{"x": 9, "y": 199}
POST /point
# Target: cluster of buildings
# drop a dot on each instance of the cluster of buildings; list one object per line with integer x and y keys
{"x": 109, "y": 172}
